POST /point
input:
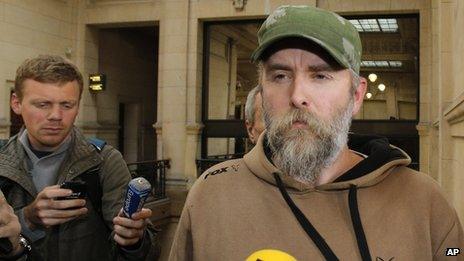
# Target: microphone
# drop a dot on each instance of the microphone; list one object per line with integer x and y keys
{"x": 136, "y": 194}
{"x": 270, "y": 255}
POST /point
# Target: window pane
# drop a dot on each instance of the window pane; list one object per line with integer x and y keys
{"x": 397, "y": 98}
{"x": 372, "y": 25}
{"x": 231, "y": 74}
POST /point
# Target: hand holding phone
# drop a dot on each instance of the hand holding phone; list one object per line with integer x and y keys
{"x": 79, "y": 190}
{"x": 46, "y": 210}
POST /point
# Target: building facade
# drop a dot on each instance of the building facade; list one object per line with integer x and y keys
{"x": 177, "y": 71}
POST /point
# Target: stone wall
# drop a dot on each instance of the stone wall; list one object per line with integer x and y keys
{"x": 29, "y": 28}
{"x": 447, "y": 130}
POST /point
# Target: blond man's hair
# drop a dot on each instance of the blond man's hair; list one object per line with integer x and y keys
{"x": 47, "y": 69}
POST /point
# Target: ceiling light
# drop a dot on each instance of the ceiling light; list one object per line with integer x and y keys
{"x": 386, "y": 25}
{"x": 382, "y": 64}
{"x": 368, "y": 95}
{"x": 372, "y": 77}
{"x": 395, "y": 63}
{"x": 381, "y": 87}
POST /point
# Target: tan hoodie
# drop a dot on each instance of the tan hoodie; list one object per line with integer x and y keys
{"x": 236, "y": 209}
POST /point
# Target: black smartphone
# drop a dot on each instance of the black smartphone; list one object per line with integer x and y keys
{"x": 78, "y": 188}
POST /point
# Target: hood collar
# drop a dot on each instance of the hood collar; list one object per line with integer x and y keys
{"x": 381, "y": 159}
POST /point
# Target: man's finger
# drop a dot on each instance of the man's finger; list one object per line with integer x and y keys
{"x": 142, "y": 214}
{"x": 128, "y": 233}
{"x": 51, "y": 188}
{"x": 61, "y": 214}
{"x": 5, "y": 209}
{"x": 10, "y": 230}
{"x": 67, "y": 203}
{"x": 54, "y": 193}
{"x": 124, "y": 241}
{"x": 129, "y": 223}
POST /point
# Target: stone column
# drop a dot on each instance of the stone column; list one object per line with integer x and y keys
{"x": 446, "y": 83}
{"x": 172, "y": 102}
{"x": 193, "y": 132}
{"x": 424, "y": 147}
{"x": 391, "y": 101}
{"x": 159, "y": 140}
{"x": 86, "y": 58}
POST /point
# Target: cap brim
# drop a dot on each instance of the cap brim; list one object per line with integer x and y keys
{"x": 256, "y": 55}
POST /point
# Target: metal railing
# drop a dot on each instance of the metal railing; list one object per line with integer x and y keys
{"x": 209, "y": 161}
{"x": 155, "y": 172}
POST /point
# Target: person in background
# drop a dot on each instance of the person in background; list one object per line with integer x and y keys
{"x": 254, "y": 114}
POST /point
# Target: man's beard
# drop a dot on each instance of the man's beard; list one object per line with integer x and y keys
{"x": 303, "y": 153}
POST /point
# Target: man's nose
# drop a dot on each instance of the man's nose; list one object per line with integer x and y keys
{"x": 56, "y": 113}
{"x": 299, "y": 96}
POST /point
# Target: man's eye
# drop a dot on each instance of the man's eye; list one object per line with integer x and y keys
{"x": 321, "y": 76}
{"x": 42, "y": 105}
{"x": 279, "y": 77}
{"x": 67, "y": 106}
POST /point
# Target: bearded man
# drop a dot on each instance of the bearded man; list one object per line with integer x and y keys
{"x": 304, "y": 192}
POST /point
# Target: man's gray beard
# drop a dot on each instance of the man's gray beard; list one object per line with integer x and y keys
{"x": 304, "y": 153}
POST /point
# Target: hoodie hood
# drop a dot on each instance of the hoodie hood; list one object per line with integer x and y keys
{"x": 381, "y": 159}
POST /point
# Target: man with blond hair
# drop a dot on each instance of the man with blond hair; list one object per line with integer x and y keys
{"x": 49, "y": 151}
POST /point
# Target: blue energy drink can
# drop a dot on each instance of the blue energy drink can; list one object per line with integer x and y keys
{"x": 137, "y": 192}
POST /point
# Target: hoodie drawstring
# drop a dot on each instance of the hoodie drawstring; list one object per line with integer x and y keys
{"x": 318, "y": 240}
{"x": 357, "y": 224}
{"x": 304, "y": 222}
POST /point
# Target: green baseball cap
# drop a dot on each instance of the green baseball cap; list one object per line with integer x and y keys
{"x": 327, "y": 29}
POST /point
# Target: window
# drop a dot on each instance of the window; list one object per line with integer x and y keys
{"x": 384, "y": 25}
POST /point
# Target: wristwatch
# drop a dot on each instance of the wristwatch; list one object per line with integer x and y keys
{"x": 26, "y": 249}
{"x": 25, "y": 244}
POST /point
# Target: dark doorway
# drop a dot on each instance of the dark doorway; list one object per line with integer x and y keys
{"x": 128, "y": 56}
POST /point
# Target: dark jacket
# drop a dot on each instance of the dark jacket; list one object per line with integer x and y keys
{"x": 88, "y": 237}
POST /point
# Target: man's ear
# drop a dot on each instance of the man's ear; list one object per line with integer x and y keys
{"x": 359, "y": 95}
{"x": 249, "y": 128}
{"x": 16, "y": 104}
